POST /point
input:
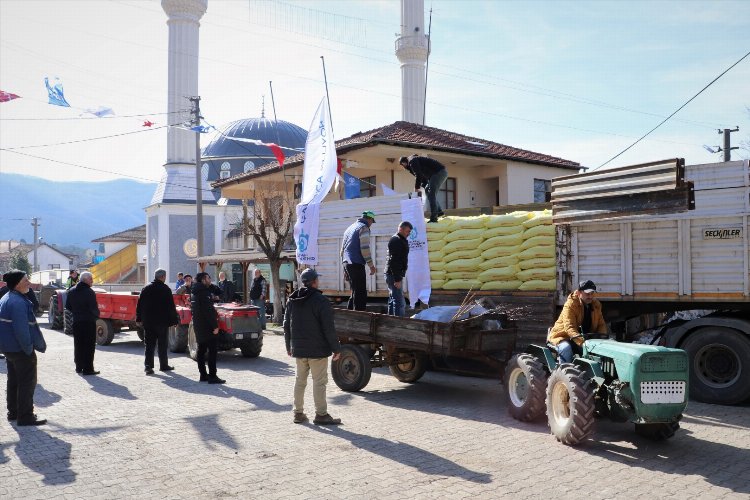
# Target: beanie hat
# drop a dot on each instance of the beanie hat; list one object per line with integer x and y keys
{"x": 13, "y": 278}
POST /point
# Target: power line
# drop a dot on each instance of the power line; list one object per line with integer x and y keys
{"x": 87, "y": 140}
{"x": 677, "y": 110}
{"x": 92, "y": 117}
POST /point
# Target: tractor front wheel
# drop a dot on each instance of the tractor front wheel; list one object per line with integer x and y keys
{"x": 525, "y": 382}
{"x": 178, "y": 338}
{"x": 657, "y": 432}
{"x": 54, "y": 318}
{"x": 570, "y": 404}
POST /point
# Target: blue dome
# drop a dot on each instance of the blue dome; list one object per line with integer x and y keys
{"x": 290, "y": 137}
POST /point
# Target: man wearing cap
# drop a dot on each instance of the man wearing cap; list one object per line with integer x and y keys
{"x": 72, "y": 279}
{"x": 81, "y": 301}
{"x": 396, "y": 263}
{"x": 355, "y": 254}
{"x": 429, "y": 174}
{"x": 310, "y": 337}
{"x": 582, "y": 313}
{"x": 20, "y": 336}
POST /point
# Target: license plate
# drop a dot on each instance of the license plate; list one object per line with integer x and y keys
{"x": 240, "y": 336}
{"x": 253, "y": 335}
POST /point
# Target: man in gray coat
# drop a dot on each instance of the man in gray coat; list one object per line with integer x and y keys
{"x": 310, "y": 338}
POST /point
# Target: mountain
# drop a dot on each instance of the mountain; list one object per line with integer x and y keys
{"x": 71, "y": 213}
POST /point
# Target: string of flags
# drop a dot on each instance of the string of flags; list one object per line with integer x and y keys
{"x": 7, "y": 96}
{"x": 275, "y": 148}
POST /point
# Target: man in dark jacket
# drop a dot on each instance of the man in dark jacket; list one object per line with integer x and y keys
{"x": 397, "y": 262}
{"x": 81, "y": 301}
{"x": 355, "y": 254}
{"x": 227, "y": 288}
{"x": 157, "y": 312}
{"x": 310, "y": 338}
{"x": 258, "y": 294}
{"x": 206, "y": 326}
{"x": 431, "y": 175}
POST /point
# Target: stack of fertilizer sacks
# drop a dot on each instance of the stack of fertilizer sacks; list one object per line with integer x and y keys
{"x": 514, "y": 251}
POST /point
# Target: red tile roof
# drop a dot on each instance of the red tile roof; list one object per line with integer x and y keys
{"x": 134, "y": 234}
{"x": 412, "y": 135}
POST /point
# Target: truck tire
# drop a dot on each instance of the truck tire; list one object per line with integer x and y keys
{"x": 570, "y": 404}
{"x": 525, "y": 383}
{"x": 409, "y": 368}
{"x": 54, "y": 318}
{"x": 352, "y": 371}
{"x": 657, "y": 432}
{"x": 719, "y": 365}
{"x": 178, "y": 338}
{"x": 192, "y": 343}
{"x": 104, "y": 331}
{"x": 68, "y": 322}
{"x": 252, "y": 348}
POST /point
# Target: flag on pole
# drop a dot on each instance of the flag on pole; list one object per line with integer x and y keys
{"x": 351, "y": 186}
{"x": 55, "y": 93}
{"x": 275, "y": 148}
{"x": 7, "y": 96}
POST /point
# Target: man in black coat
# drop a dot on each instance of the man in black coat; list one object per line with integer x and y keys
{"x": 396, "y": 264}
{"x": 431, "y": 175}
{"x": 227, "y": 288}
{"x": 206, "y": 327}
{"x": 310, "y": 338}
{"x": 157, "y": 312}
{"x": 81, "y": 301}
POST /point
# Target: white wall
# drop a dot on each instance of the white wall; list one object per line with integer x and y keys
{"x": 519, "y": 185}
{"x": 48, "y": 258}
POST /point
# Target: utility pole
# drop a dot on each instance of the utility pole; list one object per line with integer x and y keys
{"x": 35, "y": 223}
{"x": 198, "y": 177}
{"x": 727, "y": 142}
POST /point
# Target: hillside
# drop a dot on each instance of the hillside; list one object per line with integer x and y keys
{"x": 71, "y": 213}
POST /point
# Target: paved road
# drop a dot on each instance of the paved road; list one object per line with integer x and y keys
{"x": 123, "y": 435}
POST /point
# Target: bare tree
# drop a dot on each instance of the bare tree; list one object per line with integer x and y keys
{"x": 745, "y": 145}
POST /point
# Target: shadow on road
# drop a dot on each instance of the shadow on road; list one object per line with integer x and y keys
{"x": 211, "y": 431}
{"x": 406, "y": 454}
{"x": 53, "y": 464}
{"x": 108, "y": 388}
{"x": 234, "y": 361}
{"x": 44, "y": 398}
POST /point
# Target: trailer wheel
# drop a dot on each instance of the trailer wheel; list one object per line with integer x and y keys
{"x": 352, "y": 371}
{"x": 68, "y": 322}
{"x": 192, "y": 343}
{"x": 178, "y": 338}
{"x": 570, "y": 404}
{"x": 657, "y": 432}
{"x": 525, "y": 384}
{"x": 54, "y": 318}
{"x": 252, "y": 348}
{"x": 719, "y": 365}
{"x": 409, "y": 367}
{"x": 104, "y": 332}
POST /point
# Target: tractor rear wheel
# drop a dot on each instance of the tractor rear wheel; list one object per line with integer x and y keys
{"x": 352, "y": 371}
{"x": 252, "y": 348}
{"x": 104, "y": 331}
{"x": 409, "y": 368}
{"x": 570, "y": 404}
{"x": 657, "y": 432}
{"x": 68, "y": 322}
{"x": 54, "y": 318}
{"x": 178, "y": 338}
{"x": 525, "y": 383}
{"x": 192, "y": 343}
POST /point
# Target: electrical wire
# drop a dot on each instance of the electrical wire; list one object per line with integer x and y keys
{"x": 93, "y": 117}
{"x": 151, "y": 129}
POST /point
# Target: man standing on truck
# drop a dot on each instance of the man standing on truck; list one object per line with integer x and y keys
{"x": 310, "y": 338}
{"x": 81, "y": 302}
{"x": 431, "y": 175}
{"x": 206, "y": 326}
{"x": 258, "y": 294}
{"x": 582, "y": 313}
{"x": 395, "y": 268}
{"x": 157, "y": 312}
{"x": 355, "y": 254}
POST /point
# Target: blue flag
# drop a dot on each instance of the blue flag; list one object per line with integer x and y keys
{"x": 351, "y": 186}
{"x": 55, "y": 92}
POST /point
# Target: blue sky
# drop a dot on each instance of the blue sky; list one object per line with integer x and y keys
{"x": 580, "y": 80}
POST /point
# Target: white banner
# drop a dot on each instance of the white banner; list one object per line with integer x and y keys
{"x": 418, "y": 273}
{"x": 318, "y": 175}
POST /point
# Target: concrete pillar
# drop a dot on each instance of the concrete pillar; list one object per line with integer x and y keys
{"x": 412, "y": 50}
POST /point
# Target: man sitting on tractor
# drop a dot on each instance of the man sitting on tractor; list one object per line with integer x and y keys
{"x": 582, "y": 313}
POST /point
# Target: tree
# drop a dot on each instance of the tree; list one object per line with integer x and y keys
{"x": 18, "y": 260}
{"x": 270, "y": 226}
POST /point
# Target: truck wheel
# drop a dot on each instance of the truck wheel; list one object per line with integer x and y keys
{"x": 570, "y": 404}
{"x": 657, "y": 432}
{"x": 409, "y": 367}
{"x": 352, "y": 371}
{"x": 68, "y": 322}
{"x": 178, "y": 338}
{"x": 719, "y": 365}
{"x": 104, "y": 332}
{"x": 525, "y": 383}
{"x": 192, "y": 343}
{"x": 252, "y": 348}
{"x": 54, "y": 318}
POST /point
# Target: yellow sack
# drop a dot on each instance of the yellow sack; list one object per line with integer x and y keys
{"x": 544, "y": 273}
{"x": 436, "y": 245}
{"x": 547, "y": 251}
{"x": 508, "y": 260}
{"x": 540, "y": 230}
{"x": 467, "y": 222}
{"x": 435, "y": 284}
{"x": 535, "y": 263}
{"x": 501, "y": 285}
{"x": 437, "y": 266}
{"x": 498, "y": 273}
{"x": 462, "y": 285}
{"x": 463, "y": 234}
{"x": 437, "y": 275}
{"x": 462, "y": 254}
{"x": 435, "y": 256}
{"x": 538, "y": 241}
{"x": 493, "y": 252}
{"x": 502, "y": 231}
{"x": 461, "y": 275}
{"x": 457, "y": 245}
{"x": 463, "y": 264}
{"x": 502, "y": 241}
{"x": 512, "y": 219}
{"x": 538, "y": 285}
{"x": 542, "y": 217}
{"x": 442, "y": 226}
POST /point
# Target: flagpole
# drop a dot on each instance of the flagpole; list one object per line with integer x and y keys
{"x": 330, "y": 116}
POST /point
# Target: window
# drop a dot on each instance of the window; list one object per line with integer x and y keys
{"x": 298, "y": 191}
{"x": 447, "y": 194}
{"x": 367, "y": 187}
{"x": 541, "y": 188}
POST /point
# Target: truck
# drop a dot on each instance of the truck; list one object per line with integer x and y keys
{"x": 666, "y": 244}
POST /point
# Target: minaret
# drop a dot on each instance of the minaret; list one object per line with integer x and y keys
{"x": 412, "y": 50}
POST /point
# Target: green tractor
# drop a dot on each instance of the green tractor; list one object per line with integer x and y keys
{"x": 643, "y": 384}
